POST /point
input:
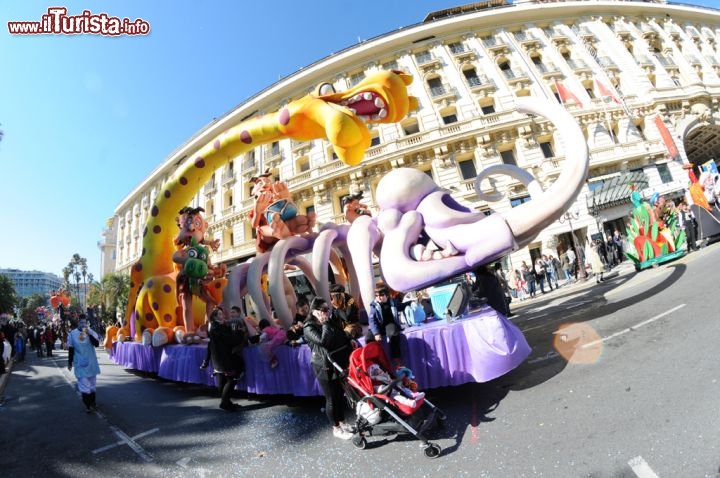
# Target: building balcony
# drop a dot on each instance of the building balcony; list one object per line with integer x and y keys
{"x": 608, "y": 64}
{"x": 443, "y": 92}
{"x": 300, "y": 148}
{"x": 481, "y": 84}
{"x": 515, "y": 75}
{"x": 579, "y": 66}
{"x": 210, "y": 187}
{"x": 547, "y": 70}
{"x": 228, "y": 211}
{"x": 527, "y": 40}
{"x": 462, "y": 54}
{"x": 495, "y": 46}
{"x": 249, "y": 165}
{"x": 228, "y": 177}
{"x": 427, "y": 61}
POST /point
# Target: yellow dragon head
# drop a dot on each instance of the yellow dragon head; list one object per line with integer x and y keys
{"x": 341, "y": 117}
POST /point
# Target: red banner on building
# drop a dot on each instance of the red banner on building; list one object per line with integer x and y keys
{"x": 566, "y": 94}
{"x": 666, "y": 137}
{"x": 605, "y": 92}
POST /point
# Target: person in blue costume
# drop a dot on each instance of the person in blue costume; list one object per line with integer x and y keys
{"x": 81, "y": 356}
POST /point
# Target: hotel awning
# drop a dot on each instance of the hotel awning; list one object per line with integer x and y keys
{"x": 616, "y": 191}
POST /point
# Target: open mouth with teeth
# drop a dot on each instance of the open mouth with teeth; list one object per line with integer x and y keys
{"x": 367, "y": 105}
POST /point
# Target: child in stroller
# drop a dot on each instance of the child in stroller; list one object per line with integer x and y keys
{"x": 384, "y": 402}
{"x": 400, "y": 393}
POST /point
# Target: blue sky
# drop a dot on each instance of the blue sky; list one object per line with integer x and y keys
{"x": 86, "y": 118}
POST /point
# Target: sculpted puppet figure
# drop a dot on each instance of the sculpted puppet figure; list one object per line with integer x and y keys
{"x": 198, "y": 275}
{"x": 275, "y": 215}
{"x": 353, "y": 208}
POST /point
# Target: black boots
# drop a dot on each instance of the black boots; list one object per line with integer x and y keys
{"x": 89, "y": 401}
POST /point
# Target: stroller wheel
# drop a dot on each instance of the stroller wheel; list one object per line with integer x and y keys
{"x": 432, "y": 450}
{"x": 359, "y": 441}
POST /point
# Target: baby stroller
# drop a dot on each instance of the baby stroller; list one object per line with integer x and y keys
{"x": 378, "y": 413}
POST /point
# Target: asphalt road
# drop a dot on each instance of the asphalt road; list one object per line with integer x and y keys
{"x": 622, "y": 382}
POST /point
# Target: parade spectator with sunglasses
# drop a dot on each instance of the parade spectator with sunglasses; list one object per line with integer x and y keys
{"x": 384, "y": 322}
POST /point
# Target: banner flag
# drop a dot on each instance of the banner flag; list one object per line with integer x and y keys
{"x": 666, "y": 137}
{"x": 566, "y": 94}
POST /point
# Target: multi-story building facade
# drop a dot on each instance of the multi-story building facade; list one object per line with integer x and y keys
{"x": 640, "y": 78}
{"x": 108, "y": 248}
{"x": 28, "y": 283}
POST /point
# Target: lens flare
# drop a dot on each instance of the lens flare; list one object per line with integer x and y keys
{"x": 578, "y": 343}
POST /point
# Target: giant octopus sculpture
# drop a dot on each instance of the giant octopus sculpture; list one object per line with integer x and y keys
{"x": 421, "y": 234}
{"x": 338, "y": 117}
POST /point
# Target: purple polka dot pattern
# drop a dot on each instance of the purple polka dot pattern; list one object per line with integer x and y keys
{"x": 216, "y": 144}
{"x": 284, "y": 117}
{"x": 154, "y": 211}
{"x": 183, "y": 179}
{"x": 155, "y": 306}
{"x": 157, "y": 229}
{"x": 167, "y": 288}
{"x": 167, "y": 193}
{"x": 245, "y": 137}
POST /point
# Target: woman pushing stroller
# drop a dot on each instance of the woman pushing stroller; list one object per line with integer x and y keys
{"x": 329, "y": 343}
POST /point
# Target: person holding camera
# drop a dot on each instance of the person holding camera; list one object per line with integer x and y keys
{"x": 324, "y": 333}
{"x": 81, "y": 356}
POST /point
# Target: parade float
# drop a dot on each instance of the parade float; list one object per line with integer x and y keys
{"x": 420, "y": 234}
{"x": 653, "y": 233}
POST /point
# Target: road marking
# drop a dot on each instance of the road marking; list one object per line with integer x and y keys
{"x": 641, "y": 468}
{"x": 636, "y": 326}
{"x": 129, "y": 441}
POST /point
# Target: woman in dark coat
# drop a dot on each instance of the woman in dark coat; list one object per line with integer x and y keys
{"x": 226, "y": 353}
{"x": 324, "y": 334}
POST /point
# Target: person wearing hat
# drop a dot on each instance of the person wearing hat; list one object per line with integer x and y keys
{"x": 81, "y": 356}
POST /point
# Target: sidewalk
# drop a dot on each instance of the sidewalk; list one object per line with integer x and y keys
{"x": 625, "y": 268}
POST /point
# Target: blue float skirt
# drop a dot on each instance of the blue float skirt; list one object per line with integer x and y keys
{"x": 285, "y": 208}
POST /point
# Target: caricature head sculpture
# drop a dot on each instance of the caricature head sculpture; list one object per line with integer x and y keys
{"x": 192, "y": 226}
{"x": 353, "y": 208}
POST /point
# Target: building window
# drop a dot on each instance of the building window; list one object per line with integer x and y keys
{"x": 390, "y": 65}
{"x": 309, "y": 210}
{"x": 514, "y": 202}
{"x": 456, "y": 48}
{"x": 594, "y": 185}
{"x": 231, "y": 237}
{"x": 508, "y": 157}
{"x": 303, "y": 165}
{"x": 411, "y": 128}
{"x": 374, "y": 141}
{"x": 436, "y": 87}
{"x": 450, "y": 118}
{"x": 467, "y": 169}
{"x": 590, "y": 93}
{"x": 356, "y": 78}
{"x": 488, "y": 109}
{"x": 471, "y": 77}
{"x": 665, "y": 174}
{"x": 547, "y": 149}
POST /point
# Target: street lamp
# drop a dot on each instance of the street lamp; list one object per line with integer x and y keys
{"x": 569, "y": 216}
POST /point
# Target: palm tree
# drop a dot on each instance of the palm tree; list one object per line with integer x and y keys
{"x": 83, "y": 270}
{"x": 115, "y": 288}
